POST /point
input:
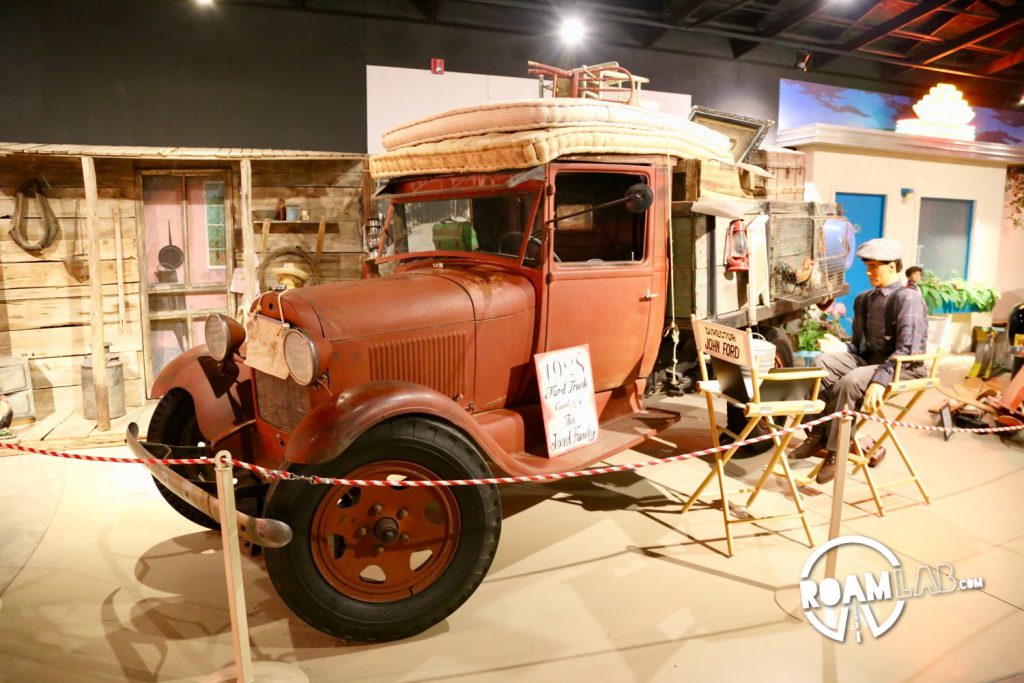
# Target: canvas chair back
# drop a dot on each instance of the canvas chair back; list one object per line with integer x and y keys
{"x": 730, "y": 351}
{"x": 939, "y": 328}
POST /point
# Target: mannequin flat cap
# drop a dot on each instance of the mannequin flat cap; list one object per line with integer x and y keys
{"x": 880, "y": 249}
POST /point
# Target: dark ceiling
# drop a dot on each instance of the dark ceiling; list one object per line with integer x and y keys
{"x": 977, "y": 43}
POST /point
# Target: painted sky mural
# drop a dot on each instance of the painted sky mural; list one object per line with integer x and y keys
{"x": 802, "y": 104}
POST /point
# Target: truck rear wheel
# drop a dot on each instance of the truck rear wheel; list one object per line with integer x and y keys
{"x": 783, "y": 346}
{"x": 369, "y": 563}
{"x": 735, "y": 418}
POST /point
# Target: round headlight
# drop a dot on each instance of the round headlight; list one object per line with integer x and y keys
{"x": 300, "y": 354}
{"x": 223, "y": 335}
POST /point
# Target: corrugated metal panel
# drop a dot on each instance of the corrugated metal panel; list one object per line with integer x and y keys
{"x": 436, "y": 361}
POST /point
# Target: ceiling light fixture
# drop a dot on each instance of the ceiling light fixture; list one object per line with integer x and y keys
{"x": 942, "y": 113}
{"x": 803, "y": 60}
{"x": 572, "y": 31}
{"x": 204, "y": 3}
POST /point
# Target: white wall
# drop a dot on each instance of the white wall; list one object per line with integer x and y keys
{"x": 836, "y": 170}
{"x": 395, "y": 96}
{"x": 1010, "y": 269}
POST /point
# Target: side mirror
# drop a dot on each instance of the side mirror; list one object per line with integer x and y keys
{"x": 638, "y": 198}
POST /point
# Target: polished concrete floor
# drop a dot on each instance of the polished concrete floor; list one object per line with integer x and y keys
{"x": 596, "y": 579}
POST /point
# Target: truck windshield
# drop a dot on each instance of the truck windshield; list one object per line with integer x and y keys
{"x": 495, "y": 224}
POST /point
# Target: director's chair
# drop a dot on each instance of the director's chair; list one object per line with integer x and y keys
{"x": 939, "y": 327}
{"x": 779, "y": 392}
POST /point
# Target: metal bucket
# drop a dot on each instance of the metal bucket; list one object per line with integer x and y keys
{"x": 764, "y": 355}
{"x": 115, "y": 388}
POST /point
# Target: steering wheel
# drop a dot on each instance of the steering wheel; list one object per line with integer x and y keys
{"x": 509, "y": 243}
{"x": 534, "y": 249}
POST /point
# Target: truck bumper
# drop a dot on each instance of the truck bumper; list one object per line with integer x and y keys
{"x": 269, "y": 533}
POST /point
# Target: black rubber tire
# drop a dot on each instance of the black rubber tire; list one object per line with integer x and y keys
{"x": 734, "y": 415}
{"x": 425, "y": 442}
{"x": 174, "y": 424}
{"x": 783, "y": 346}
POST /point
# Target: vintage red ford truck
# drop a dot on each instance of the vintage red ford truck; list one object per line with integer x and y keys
{"x": 424, "y": 369}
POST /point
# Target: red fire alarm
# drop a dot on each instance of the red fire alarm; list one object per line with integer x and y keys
{"x": 437, "y": 66}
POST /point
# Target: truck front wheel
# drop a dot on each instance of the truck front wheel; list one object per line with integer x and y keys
{"x": 174, "y": 424}
{"x": 372, "y": 563}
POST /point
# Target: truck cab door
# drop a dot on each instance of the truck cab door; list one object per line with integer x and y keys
{"x": 601, "y": 284}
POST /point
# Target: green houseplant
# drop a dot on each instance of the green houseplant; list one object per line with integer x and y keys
{"x": 813, "y": 326}
{"x": 956, "y": 295}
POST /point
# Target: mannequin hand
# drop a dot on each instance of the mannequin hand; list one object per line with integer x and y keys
{"x": 829, "y": 344}
{"x": 873, "y": 397}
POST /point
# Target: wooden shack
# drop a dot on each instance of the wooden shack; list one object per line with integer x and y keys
{"x": 178, "y": 233}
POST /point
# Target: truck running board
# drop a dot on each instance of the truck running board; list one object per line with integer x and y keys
{"x": 615, "y": 437}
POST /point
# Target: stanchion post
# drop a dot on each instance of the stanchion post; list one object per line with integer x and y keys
{"x": 838, "y": 486}
{"x": 233, "y": 568}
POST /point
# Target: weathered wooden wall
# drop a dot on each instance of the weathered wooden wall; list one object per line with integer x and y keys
{"x": 44, "y": 309}
{"x": 330, "y": 191}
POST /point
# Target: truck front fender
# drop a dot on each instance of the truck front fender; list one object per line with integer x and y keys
{"x": 329, "y": 429}
{"x": 222, "y": 392}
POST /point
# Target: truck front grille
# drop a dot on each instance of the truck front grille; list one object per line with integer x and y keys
{"x": 436, "y": 361}
{"x": 281, "y": 402}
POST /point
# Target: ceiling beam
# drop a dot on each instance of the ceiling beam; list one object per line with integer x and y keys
{"x": 990, "y": 29}
{"x": 995, "y": 7}
{"x": 896, "y": 23}
{"x": 788, "y": 21}
{"x": 645, "y": 36}
{"x": 887, "y": 27}
{"x": 736, "y": 4}
{"x": 939, "y": 22}
{"x": 1003, "y": 63}
{"x": 428, "y": 8}
{"x": 371, "y": 11}
{"x": 681, "y": 11}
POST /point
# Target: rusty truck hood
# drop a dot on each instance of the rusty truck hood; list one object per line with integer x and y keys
{"x": 420, "y": 298}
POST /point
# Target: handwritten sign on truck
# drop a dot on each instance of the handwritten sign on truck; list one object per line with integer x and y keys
{"x": 567, "y": 398}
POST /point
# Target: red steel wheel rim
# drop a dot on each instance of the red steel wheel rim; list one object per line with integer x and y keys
{"x": 381, "y": 544}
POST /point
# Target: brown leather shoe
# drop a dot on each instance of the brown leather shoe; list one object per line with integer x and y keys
{"x": 811, "y": 445}
{"x": 828, "y": 471}
{"x": 876, "y": 459}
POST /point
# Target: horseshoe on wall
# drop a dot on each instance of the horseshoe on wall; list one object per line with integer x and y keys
{"x": 29, "y": 190}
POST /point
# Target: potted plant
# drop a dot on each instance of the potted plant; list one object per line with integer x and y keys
{"x": 813, "y": 326}
{"x": 956, "y": 295}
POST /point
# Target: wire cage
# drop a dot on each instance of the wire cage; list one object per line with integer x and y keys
{"x": 809, "y": 245}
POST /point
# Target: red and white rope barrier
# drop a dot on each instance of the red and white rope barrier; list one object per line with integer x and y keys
{"x": 590, "y": 472}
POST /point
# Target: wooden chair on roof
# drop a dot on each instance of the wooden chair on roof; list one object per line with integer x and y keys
{"x": 939, "y": 327}
{"x": 788, "y": 392}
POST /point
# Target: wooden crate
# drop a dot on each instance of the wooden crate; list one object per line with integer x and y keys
{"x": 789, "y": 172}
{"x": 694, "y": 178}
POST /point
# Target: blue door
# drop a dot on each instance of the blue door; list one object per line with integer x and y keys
{"x": 867, "y": 213}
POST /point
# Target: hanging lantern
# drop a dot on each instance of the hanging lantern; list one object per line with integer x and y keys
{"x": 737, "y": 251}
